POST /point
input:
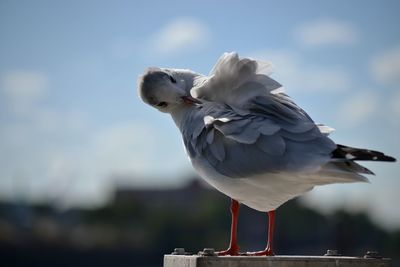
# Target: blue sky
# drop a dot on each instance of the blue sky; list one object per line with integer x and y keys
{"x": 72, "y": 126}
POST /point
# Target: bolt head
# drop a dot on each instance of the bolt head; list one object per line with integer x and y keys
{"x": 372, "y": 255}
{"x": 332, "y": 252}
{"x": 178, "y": 251}
{"x": 208, "y": 252}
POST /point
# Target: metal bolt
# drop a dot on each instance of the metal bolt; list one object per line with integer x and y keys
{"x": 372, "y": 255}
{"x": 208, "y": 252}
{"x": 179, "y": 251}
{"x": 332, "y": 252}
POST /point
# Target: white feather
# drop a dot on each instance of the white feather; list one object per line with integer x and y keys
{"x": 234, "y": 80}
{"x": 325, "y": 129}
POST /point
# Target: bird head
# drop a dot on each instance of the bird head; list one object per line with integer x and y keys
{"x": 166, "y": 89}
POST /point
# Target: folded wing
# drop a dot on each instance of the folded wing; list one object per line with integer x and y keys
{"x": 248, "y": 126}
{"x": 245, "y": 145}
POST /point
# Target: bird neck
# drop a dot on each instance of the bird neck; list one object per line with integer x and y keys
{"x": 181, "y": 114}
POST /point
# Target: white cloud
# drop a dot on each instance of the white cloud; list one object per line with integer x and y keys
{"x": 376, "y": 199}
{"x": 358, "y": 108}
{"x": 382, "y": 209}
{"x": 392, "y": 109}
{"x": 295, "y": 73}
{"x": 180, "y": 34}
{"x": 65, "y": 159}
{"x": 326, "y": 31}
{"x": 395, "y": 105}
{"x": 385, "y": 67}
{"x": 61, "y": 156}
{"x": 325, "y": 79}
{"x": 23, "y": 88}
{"x": 137, "y": 147}
{"x": 125, "y": 147}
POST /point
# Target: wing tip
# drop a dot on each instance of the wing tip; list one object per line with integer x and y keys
{"x": 355, "y": 154}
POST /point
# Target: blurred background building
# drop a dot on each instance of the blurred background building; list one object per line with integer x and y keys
{"x": 139, "y": 226}
{"x": 90, "y": 175}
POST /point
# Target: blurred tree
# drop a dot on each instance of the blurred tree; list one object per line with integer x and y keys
{"x": 139, "y": 226}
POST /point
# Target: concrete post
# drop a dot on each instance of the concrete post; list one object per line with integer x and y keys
{"x": 204, "y": 260}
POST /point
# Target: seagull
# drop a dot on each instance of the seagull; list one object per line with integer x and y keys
{"x": 247, "y": 138}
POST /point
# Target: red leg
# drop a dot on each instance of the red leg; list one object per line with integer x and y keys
{"x": 268, "y": 251}
{"x": 233, "y": 246}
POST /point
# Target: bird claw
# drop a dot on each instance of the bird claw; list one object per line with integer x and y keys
{"x": 229, "y": 252}
{"x": 266, "y": 252}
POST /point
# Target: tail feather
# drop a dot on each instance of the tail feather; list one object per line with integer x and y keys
{"x": 334, "y": 173}
{"x": 352, "y": 166}
{"x": 352, "y": 153}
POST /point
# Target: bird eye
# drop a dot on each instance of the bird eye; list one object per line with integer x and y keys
{"x": 172, "y": 79}
{"x": 162, "y": 104}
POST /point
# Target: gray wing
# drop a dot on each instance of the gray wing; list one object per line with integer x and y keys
{"x": 275, "y": 135}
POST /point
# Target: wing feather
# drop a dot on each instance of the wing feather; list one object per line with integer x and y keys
{"x": 217, "y": 148}
{"x": 272, "y": 144}
{"x": 234, "y": 81}
{"x": 242, "y": 146}
{"x": 247, "y": 126}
